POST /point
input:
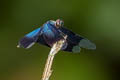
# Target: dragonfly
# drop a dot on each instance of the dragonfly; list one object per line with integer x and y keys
{"x": 53, "y": 31}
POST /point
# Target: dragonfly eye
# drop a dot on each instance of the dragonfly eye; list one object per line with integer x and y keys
{"x": 59, "y": 23}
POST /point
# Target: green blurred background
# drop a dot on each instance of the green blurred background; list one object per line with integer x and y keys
{"x": 98, "y": 20}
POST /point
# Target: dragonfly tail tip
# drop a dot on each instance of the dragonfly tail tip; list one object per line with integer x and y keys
{"x": 18, "y": 46}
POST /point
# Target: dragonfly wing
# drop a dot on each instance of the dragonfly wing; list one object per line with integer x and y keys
{"x": 29, "y": 40}
{"x": 75, "y": 42}
{"x": 85, "y": 43}
{"x": 42, "y": 41}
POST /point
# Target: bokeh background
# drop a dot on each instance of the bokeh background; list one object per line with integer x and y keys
{"x": 98, "y": 20}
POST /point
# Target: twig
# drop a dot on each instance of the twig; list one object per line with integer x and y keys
{"x": 56, "y": 47}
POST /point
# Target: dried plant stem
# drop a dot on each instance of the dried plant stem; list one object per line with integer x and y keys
{"x": 56, "y": 47}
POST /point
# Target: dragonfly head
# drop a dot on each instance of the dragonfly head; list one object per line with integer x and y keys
{"x": 59, "y": 23}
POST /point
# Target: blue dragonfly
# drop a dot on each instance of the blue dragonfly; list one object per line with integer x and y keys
{"x": 53, "y": 31}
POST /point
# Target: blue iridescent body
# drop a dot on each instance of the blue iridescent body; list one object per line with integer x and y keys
{"x": 50, "y": 33}
{"x": 53, "y": 31}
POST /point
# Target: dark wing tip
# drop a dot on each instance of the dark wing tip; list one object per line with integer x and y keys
{"x": 26, "y": 42}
